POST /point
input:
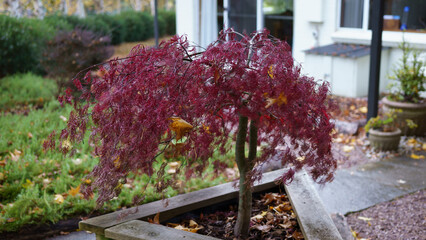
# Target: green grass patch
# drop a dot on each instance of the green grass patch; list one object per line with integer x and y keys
{"x": 25, "y": 89}
{"x": 36, "y": 186}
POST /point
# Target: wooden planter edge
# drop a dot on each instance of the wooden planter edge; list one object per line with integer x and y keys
{"x": 312, "y": 216}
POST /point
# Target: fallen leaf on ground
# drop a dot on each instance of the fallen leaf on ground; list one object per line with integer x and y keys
{"x": 27, "y": 184}
{"x": 263, "y": 228}
{"x": 30, "y": 135}
{"x": 415, "y": 156}
{"x": 15, "y": 155}
{"x": 297, "y": 235}
{"x": 157, "y": 218}
{"x": 58, "y": 199}
{"x": 286, "y": 225}
{"x": 363, "y": 109}
{"x": 348, "y": 148}
{"x": 74, "y": 191}
{"x": 365, "y": 218}
{"x": 193, "y": 224}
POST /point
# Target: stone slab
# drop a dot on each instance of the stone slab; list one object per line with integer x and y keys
{"x": 362, "y": 187}
{"x": 141, "y": 230}
{"x": 313, "y": 219}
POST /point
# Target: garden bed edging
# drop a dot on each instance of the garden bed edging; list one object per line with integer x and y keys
{"x": 313, "y": 219}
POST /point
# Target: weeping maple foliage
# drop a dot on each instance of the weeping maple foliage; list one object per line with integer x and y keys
{"x": 139, "y": 104}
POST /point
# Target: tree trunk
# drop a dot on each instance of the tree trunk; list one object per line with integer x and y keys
{"x": 245, "y": 165}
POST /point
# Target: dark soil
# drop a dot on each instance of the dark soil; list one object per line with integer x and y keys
{"x": 44, "y": 231}
{"x": 402, "y": 218}
{"x": 272, "y": 218}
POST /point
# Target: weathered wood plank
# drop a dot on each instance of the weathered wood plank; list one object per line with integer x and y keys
{"x": 311, "y": 214}
{"x": 177, "y": 205}
{"x": 140, "y": 230}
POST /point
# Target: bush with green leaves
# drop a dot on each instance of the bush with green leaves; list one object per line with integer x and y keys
{"x": 72, "y": 51}
{"x": 409, "y": 75}
{"x": 58, "y": 22}
{"x": 170, "y": 22}
{"x": 138, "y": 25}
{"x": 21, "y": 44}
{"x": 24, "y": 89}
{"x": 116, "y": 26}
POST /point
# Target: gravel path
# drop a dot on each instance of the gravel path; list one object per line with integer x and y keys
{"x": 402, "y": 218}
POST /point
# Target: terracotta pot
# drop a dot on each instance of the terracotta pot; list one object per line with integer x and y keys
{"x": 384, "y": 141}
{"x": 413, "y": 111}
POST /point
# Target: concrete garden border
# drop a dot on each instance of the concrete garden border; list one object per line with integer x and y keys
{"x": 129, "y": 224}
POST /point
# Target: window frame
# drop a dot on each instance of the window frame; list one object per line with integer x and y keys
{"x": 365, "y": 16}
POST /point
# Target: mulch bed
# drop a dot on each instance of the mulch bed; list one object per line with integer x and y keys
{"x": 272, "y": 218}
{"x": 402, "y": 218}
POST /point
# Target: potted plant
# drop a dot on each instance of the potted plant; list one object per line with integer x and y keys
{"x": 244, "y": 90}
{"x": 384, "y": 133}
{"x": 405, "y": 92}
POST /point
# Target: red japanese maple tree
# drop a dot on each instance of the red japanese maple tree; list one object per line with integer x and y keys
{"x": 246, "y": 88}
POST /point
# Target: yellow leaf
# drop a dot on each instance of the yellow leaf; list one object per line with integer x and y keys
{"x": 363, "y": 109}
{"x": 66, "y": 144}
{"x": 206, "y": 129}
{"x": 157, "y": 218}
{"x": 74, "y": 191}
{"x": 424, "y": 147}
{"x": 193, "y": 224}
{"x": 280, "y": 100}
{"x": 271, "y": 72}
{"x": 58, "y": 199}
{"x": 415, "y": 156}
{"x": 27, "y": 184}
{"x": 180, "y": 127}
{"x": 412, "y": 141}
{"x": 117, "y": 162}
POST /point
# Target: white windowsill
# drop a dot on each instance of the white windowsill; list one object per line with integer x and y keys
{"x": 389, "y": 38}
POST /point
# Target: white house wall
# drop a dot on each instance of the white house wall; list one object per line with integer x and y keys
{"x": 188, "y": 19}
{"x": 306, "y": 28}
{"x": 343, "y": 77}
{"x": 310, "y": 31}
{"x": 197, "y": 19}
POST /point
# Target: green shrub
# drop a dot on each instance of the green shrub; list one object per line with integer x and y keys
{"x": 58, "y": 22}
{"x": 116, "y": 25}
{"x": 170, "y": 21}
{"x": 96, "y": 25}
{"x": 23, "y": 89}
{"x": 21, "y": 44}
{"x": 138, "y": 25}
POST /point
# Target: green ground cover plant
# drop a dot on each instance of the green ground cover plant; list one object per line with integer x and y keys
{"x": 25, "y": 89}
{"x": 43, "y": 187}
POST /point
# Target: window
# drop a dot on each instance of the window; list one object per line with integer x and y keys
{"x": 410, "y": 13}
{"x": 398, "y": 14}
{"x": 351, "y": 13}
